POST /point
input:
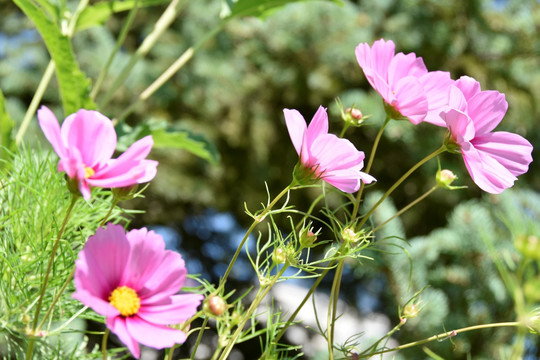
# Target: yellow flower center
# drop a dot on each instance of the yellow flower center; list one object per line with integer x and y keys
{"x": 88, "y": 171}
{"x": 126, "y": 300}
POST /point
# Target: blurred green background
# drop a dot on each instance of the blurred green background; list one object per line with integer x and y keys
{"x": 301, "y": 56}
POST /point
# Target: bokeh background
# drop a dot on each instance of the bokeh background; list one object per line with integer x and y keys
{"x": 301, "y": 56}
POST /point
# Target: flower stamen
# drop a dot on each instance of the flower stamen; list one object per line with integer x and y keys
{"x": 88, "y": 171}
{"x": 126, "y": 300}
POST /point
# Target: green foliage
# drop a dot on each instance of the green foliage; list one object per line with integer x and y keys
{"x": 259, "y": 8}
{"x": 97, "y": 14}
{"x": 33, "y": 203}
{"x": 74, "y": 86}
{"x": 6, "y": 127}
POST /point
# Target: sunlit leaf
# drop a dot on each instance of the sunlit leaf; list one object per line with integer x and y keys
{"x": 260, "y": 8}
{"x": 6, "y": 127}
{"x": 97, "y": 14}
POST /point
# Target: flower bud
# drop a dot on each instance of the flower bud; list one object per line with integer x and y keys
{"x": 445, "y": 177}
{"x": 307, "y": 238}
{"x": 279, "y": 256}
{"x": 411, "y": 310}
{"x": 215, "y": 305}
{"x": 125, "y": 193}
{"x": 349, "y": 235}
{"x": 353, "y": 116}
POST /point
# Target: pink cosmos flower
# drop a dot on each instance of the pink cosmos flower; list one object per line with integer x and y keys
{"x": 324, "y": 155}
{"x": 493, "y": 159}
{"x": 85, "y": 145}
{"x": 404, "y": 82}
{"x": 133, "y": 281}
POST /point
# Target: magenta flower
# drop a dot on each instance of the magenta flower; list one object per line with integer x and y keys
{"x": 404, "y": 83}
{"x": 134, "y": 282}
{"x": 323, "y": 155}
{"x": 85, "y": 145}
{"x": 493, "y": 159}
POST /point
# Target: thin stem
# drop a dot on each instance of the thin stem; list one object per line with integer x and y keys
{"x": 171, "y": 352}
{"x": 248, "y": 232}
{"x": 47, "y": 76}
{"x": 199, "y": 338}
{"x": 119, "y": 42}
{"x": 306, "y": 298}
{"x": 368, "y": 167}
{"x": 422, "y": 197}
{"x": 46, "y": 278}
{"x": 161, "y": 25}
{"x": 113, "y": 204}
{"x": 56, "y": 298}
{"x": 388, "y": 335}
{"x": 104, "y": 344}
{"x": 167, "y": 74}
{"x": 399, "y": 182}
{"x": 261, "y": 294}
{"x": 332, "y": 307}
{"x": 447, "y": 335}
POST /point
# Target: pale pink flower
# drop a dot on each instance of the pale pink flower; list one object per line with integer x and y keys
{"x": 493, "y": 159}
{"x": 324, "y": 155}
{"x": 404, "y": 82}
{"x": 85, "y": 145}
{"x": 134, "y": 282}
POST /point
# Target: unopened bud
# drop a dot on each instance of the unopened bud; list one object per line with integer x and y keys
{"x": 279, "y": 256}
{"x": 353, "y": 116}
{"x": 216, "y": 305}
{"x": 125, "y": 193}
{"x": 445, "y": 177}
{"x": 349, "y": 235}
{"x": 307, "y": 238}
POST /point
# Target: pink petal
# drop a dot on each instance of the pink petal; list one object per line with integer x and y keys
{"x": 296, "y": 125}
{"x": 510, "y": 150}
{"x": 181, "y": 308}
{"x": 333, "y": 153}
{"x": 317, "y": 127}
{"x": 375, "y": 61}
{"x": 134, "y": 173}
{"x": 92, "y": 133}
{"x": 345, "y": 180}
{"x": 119, "y": 327}
{"x": 487, "y": 109}
{"x": 156, "y": 336}
{"x": 101, "y": 263}
{"x": 459, "y": 125}
{"x": 485, "y": 171}
{"x": 405, "y": 65}
{"x": 50, "y": 127}
{"x": 97, "y": 304}
{"x": 468, "y": 86}
{"x": 411, "y": 100}
{"x": 436, "y": 86}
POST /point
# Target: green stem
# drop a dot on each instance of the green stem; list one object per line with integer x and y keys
{"x": 113, "y": 204}
{"x": 30, "y": 348}
{"x": 104, "y": 344}
{"x": 199, "y": 338}
{"x": 368, "y": 167}
{"x": 161, "y": 25}
{"x": 422, "y": 197}
{"x": 388, "y": 335}
{"x": 56, "y": 298}
{"x": 47, "y": 76}
{"x": 332, "y": 307}
{"x": 167, "y": 74}
{"x": 399, "y": 182}
{"x": 171, "y": 352}
{"x": 447, "y": 335}
{"x": 295, "y": 313}
{"x": 248, "y": 232}
{"x": 119, "y": 42}
{"x": 261, "y": 294}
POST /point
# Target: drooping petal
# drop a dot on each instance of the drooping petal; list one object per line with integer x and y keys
{"x": 50, "y": 127}
{"x": 485, "y": 171}
{"x": 179, "y": 309}
{"x": 345, "y": 180}
{"x": 119, "y": 327}
{"x": 459, "y": 125}
{"x": 296, "y": 125}
{"x": 510, "y": 150}
{"x": 92, "y": 133}
{"x": 487, "y": 109}
{"x": 153, "y": 335}
{"x": 138, "y": 173}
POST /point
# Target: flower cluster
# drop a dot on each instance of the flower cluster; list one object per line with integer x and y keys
{"x": 493, "y": 159}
